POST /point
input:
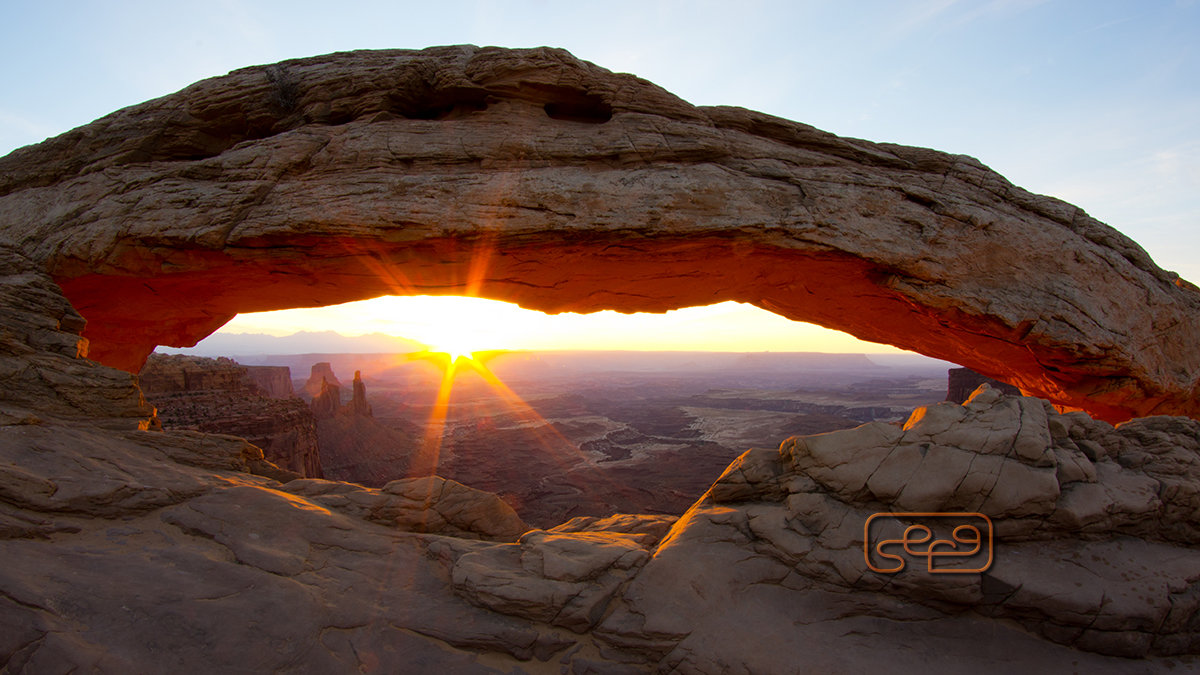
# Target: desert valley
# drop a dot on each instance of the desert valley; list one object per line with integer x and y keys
{"x": 559, "y": 434}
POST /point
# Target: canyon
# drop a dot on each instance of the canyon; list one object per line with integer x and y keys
{"x": 567, "y": 434}
{"x": 529, "y": 175}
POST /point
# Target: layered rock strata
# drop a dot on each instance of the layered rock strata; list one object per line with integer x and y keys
{"x": 1095, "y": 530}
{"x": 272, "y": 381}
{"x": 534, "y": 177}
{"x": 128, "y": 550}
{"x": 221, "y": 396}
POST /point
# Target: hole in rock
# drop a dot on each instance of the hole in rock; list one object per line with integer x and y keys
{"x": 443, "y": 104}
{"x": 590, "y": 111}
{"x": 562, "y": 415}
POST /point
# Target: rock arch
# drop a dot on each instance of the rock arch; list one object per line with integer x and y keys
{"x": 534, "y": 177}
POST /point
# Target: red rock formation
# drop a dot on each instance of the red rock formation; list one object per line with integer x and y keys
{"x": 328, "y": 401}
{"x": 220, "y": 396}
{"x": 533, "y": 177}
{"x": 163, "y": 375}
{"x": 321, "y": 372}
{"x": 354, "y": 446}
{"x": 361, "y": 450}
{"x": 358, "y": 404}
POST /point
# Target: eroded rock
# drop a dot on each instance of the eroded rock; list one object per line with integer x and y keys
{"x": 428, "y": 504}
{"x": 320, "y": 376}
{"x": 42, "y": 370}
{"x": 225, "y": 397}
{"x": 1093, "y": 548}
{"x": 138, "y": 551}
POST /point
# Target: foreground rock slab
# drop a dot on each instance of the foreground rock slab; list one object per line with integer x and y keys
{"x": 534, "y": 177}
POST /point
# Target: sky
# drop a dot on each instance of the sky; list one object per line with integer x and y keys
{"x": 1091, "y": 101}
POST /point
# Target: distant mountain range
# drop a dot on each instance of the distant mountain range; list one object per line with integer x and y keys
{"x": 304, "y": 342}
{"x": 373, "y": 352}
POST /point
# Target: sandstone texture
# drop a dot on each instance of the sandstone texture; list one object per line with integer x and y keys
{"x": 130, "y": 549}
{"x": 534, "y": 177}
{"x": 223, "y": 396}
{"x": 425, "y": 504}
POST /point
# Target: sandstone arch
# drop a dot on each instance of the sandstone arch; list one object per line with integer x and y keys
{"x": 531, "y": 176}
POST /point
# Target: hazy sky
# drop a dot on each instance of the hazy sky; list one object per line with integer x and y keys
{"x": 1094, "y": 102}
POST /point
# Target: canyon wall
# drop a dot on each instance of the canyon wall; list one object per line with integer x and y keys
{"x": 272, "y": 381}
{"x": 222, "y": 396}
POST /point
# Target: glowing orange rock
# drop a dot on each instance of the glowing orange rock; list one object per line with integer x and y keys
{"x": 531, "y": 176}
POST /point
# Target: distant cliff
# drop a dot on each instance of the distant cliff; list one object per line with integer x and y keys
{"x": 272, "y": 381}
{"x": 223, "y": 396}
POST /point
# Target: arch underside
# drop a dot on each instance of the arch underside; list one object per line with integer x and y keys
{"x": 532, "y": 177}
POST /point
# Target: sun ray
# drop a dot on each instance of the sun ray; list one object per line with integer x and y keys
{"x": 429, "y": 453}
{"x": 547, "y": 435}
{"x": 457, "y": 348}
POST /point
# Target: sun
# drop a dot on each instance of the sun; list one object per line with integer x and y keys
{"x": 457, "y": 347}
{"x": 454, "y": 326}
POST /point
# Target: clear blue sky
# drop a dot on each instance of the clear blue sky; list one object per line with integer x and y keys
{"x": 1092, "y": 101}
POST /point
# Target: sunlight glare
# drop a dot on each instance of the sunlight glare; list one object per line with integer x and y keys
{"x": 458, "y": 328}
{"x": 462, "y": 325}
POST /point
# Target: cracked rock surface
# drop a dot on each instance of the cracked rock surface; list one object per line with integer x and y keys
{"x": 1094, "y": 525}
{"x": 127, "y": 549}
{"x": 534, "y": 177}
